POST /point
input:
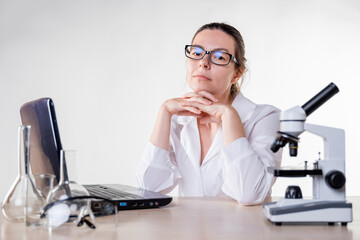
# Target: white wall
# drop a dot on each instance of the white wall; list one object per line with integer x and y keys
{"x": 108, "y": 65}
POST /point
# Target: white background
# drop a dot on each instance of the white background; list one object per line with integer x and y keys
{"x": 108, "y": 65}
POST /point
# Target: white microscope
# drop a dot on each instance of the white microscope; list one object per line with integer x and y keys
{"x": 328, "y": 204}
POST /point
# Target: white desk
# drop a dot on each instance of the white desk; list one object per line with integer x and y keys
{"x": 190, "y": 218}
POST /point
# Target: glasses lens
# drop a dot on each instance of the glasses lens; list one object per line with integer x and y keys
{"x": 194, "y": 52}
{"x": 220, "y": 58}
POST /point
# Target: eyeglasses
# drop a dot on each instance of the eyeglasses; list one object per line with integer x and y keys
{"x": 216, "y": 57}
{"x": 78, "y": 210}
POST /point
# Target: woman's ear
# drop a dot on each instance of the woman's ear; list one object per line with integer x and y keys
{"x": 238, "y": 73}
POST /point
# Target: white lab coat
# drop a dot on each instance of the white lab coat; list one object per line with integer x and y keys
{"x": 238, "y": 170}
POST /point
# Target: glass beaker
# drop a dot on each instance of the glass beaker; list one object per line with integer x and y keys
{"x": 68, "y": 186}
{"x": 13, "y": 206}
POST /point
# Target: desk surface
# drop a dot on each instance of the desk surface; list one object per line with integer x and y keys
{"x": 190, "y": 218}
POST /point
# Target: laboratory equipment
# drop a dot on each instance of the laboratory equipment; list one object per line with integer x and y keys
{"x": 328, "y": 203}
{"x": 13, "y": 205}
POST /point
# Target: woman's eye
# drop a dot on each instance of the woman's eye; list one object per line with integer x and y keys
{"x": 197, "y": 51}
{"x": 221, "y": 57}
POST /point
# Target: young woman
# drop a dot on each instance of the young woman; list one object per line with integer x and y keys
{"x": 212, "y": 141}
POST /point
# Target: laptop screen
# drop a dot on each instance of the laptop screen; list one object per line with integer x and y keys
{"x": 45, "y": 144}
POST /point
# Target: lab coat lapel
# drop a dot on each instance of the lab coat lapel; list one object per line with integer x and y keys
{"x": 215, "y": 147}
{"x": 243, "y": 107}
{"x": 190, "y": 140}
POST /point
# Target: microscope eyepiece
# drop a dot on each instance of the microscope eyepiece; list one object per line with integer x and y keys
{"x": 320, "y": 98}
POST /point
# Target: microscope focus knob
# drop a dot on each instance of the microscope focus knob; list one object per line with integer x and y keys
{"x": 293, "y": 191}
{"x": 335, "y": 179}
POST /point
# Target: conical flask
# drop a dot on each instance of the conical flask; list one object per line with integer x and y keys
{"x": 13, "y": 206}
{"x": 68, "y": 187}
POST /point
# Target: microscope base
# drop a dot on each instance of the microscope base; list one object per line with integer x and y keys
{"x": 308, "y": 211}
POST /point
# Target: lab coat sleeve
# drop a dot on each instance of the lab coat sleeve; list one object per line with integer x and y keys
{"x": 245, "y": 162}
{"x": 157, "y": 170}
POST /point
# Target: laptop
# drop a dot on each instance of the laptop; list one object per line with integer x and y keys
{"x": 45, "y": 146}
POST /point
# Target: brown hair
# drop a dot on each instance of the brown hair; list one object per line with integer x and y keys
{"x": 239, "y": 48}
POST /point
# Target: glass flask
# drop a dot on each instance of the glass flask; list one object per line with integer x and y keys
{"x": 69, "y": 188}
{"x": 37, "y": 189}
{"x": 13, "y": 206}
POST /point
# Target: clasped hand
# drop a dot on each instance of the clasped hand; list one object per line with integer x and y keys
{"x": 202, "y": 105}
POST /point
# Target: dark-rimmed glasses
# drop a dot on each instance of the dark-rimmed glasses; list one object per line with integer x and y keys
{"x": 78, "y": 210}
{"x": 216, "y": 57}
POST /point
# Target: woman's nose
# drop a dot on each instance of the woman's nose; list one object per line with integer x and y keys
{"x": 205, "y": 62}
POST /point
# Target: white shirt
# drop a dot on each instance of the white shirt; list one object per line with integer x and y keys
{"x": 238, "y": 170}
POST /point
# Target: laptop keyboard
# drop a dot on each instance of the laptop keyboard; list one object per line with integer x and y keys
{"x": 110, "y": 193}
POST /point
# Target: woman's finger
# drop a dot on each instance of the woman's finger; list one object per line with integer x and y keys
{"x": 198, "y": 105}
{"x": 196, "y": 97}
{"x": 191, "y": 95}
{"x": 209, "y": 119}
{"x": 199, "y": 100}
{"x": 191, "y": 114}
{"x": 208, "y": 96}
{"x": 192, "y": 109}
{"x": 200, "y": 94}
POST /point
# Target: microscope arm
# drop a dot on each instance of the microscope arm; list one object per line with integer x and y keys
{"x": 334, "y": 141}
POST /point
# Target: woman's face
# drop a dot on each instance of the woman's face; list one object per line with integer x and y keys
{"x": 203, "y": 75}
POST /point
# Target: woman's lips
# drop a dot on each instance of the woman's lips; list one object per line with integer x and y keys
{"x": 201, "y": 77}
